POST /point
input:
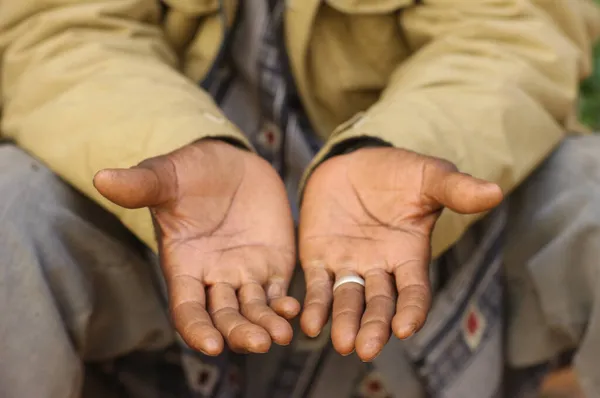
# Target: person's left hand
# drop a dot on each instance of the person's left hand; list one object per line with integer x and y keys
{"x": 370, "y": 214}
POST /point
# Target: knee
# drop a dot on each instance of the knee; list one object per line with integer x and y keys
{"x": 577, "y": 157}
{"x": 44, "y": 208}
{"x": 571, "y": 172}
{"x": 559, "y": 202}
{"x": 24, "y": 184}
{"x": 30, "y": 196}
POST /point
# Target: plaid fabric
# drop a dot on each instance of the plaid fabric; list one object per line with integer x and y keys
{"x": 282, "y": 114}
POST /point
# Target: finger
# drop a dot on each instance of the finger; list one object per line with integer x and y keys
{"x": 375, "y": 329}
{"x": 348, "y": 307}
{"x": 285, "y": 306}
{"x": 133, "y": 188}
{"x": 188, "y": 310}
{"x": 317, "y": 302}
{"x": 253, "y": 301}
{"x": 241, "y": 334}
{"x": 460, "y": 192}
{"x": 414, "y": 297}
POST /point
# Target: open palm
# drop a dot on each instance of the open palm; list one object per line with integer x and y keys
{"x": 226, "y": 242}
{"x": 370, "y": 214}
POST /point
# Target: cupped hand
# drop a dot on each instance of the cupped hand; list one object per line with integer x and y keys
{"x": 371, "y": 213}
{"x": 226, "y": 244}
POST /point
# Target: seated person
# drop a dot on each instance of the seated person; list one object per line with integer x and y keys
{"x": 401, "y": 123}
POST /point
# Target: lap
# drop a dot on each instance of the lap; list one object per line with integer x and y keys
{"x": 552, "y": 258}
{"x": 74, "y": 283}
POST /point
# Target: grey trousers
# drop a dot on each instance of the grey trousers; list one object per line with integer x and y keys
{"x": 74, "y": 284}
{"x": 76, "y": 287}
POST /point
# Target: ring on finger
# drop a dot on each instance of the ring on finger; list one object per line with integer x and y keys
{"x": 348, "y": 279}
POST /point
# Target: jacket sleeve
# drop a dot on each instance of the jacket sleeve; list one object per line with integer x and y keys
{"x": 93, "y": 84}
{"x": 491, "y": 86}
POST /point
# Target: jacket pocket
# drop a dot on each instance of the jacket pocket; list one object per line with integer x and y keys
{"x": 369, "y": 6}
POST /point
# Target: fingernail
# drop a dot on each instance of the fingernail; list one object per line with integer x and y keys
{"x": 370, "y": 360}
{"x": 374, "y": 348}
{"x": 408, "y": 330}
{"x": 348, "y": 354}
{"x": 210, "y": 348}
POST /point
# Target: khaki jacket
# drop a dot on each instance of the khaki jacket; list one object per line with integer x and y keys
{"x": 490, "y": 85}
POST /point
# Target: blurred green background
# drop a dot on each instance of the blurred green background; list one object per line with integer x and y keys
{"x": 589, "y": 106}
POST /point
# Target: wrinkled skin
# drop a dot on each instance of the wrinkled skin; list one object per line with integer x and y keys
{"x": 371, "y": 213}
{"x": 226, "y": 242}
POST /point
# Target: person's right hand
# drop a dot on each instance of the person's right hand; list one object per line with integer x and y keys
{"x": 226, "y": 242}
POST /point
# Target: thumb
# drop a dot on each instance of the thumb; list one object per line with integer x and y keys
{"x": 461, "y": 192}
{"x": 132, "y": 188}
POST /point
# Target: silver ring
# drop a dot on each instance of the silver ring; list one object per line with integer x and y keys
{"x": 348, "y": 279}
